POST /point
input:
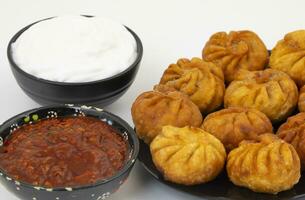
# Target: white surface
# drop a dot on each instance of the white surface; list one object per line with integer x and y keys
{"x": 169, "y": 29}
{"x": 73, "y": 48}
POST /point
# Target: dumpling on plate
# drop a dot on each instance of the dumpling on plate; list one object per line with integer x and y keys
{"x": 235, "y": 124}
{"x": 202, "y": 81}
{"x": 152, "y": 110}
{"x": 187, "y": 155}
{"x": 289, "y": 56}
{"x": 234, "y": 51}
{"x": 270, "y": 91}
{"x": 301, "y": 103}
{"x": 293, "y": 132}
{"x": 268, "y": 165}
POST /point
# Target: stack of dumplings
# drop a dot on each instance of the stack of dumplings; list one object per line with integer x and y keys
{"x": 229, "y": 102}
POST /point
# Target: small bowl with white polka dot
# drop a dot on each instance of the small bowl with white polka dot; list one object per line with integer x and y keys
{"x": 97, "y": 191}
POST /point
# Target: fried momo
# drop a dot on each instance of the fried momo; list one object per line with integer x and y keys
{"x": 153, "y": 109}
{"x": 188, "y": 155}
{"x": 235, "y": 124}
{"x": 293, "y": 132}
{"x": 270, "y": 91}
{"x": 289, "y": 56}
{"x": 301, "y": 103}
{"x": 268, "y": 165}
{"x": 202, "y": 81}
{"x": 234, "y": 51}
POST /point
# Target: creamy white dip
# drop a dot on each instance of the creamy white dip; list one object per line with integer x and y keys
{"x": 75, "y": 49}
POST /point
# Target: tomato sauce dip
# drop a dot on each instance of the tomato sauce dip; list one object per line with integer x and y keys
{"x": 63, "y": 152}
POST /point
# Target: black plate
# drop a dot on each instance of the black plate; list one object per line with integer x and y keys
{"x": 221, "y": 187}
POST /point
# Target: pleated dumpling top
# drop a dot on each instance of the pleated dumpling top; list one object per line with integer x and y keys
{"x": 152, "y": 110}
{"x": 187, "y": 155}
{"x": 293, "y": 132}
{"x": 270, "y": 91}
{"x": 268, "y": 165}
{"x": 289, "y": 56}
{"x": 202, "y": 81}
{"x": 236, "y": 50}
{"x": 235, "y": 124}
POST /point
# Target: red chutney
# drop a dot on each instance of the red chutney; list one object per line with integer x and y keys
{"x": 63, "y": 152}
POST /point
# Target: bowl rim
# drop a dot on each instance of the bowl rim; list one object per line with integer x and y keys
{"x": 46, "y": 81}
{"x": 128, "y": 164}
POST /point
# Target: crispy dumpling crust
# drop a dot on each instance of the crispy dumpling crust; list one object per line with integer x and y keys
{"x": 301, "y": 103}
{"x": 202, "y": 81}
{"x": 187, "y": 155}
{"x": 293, "y": 132}
{"x": 234, "y": 51}
{"x": 289, "y": 56}
{"x": 269, "y": 165}
{"x": 270, "y": 91}
{"x": 152, "y": 110}
{"x": 232, "y": 125}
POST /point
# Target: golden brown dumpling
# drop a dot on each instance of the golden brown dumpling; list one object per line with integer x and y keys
{"x": 289, "y": 56}
{"x": 236, "y": 50}
{"x": 302, "y": 100}
{"x": 232, "y": 125}
{"x": 293, "y": 132}
{"x": 271, "y": 91}
{"x": 269, "y": 165}
{"x": 202, "y": 81}
{"x": 152, "y": 110}
{"x": 188, "y": 155}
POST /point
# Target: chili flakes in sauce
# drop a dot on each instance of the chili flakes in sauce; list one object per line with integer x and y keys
{"x": 63, "y": 152}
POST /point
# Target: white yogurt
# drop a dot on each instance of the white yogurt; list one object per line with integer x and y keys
{"x": 75, "y": 49}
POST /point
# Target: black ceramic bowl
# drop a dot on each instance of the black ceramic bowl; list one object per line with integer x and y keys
{"x": 102, "y": 92}
{"x": 98, "y": 191}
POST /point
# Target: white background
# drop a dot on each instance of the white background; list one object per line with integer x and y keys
{"x": 169, "y": 29}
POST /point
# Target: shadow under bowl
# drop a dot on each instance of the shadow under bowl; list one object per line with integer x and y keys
{"x": 101, "y": 92}
{"x": 97, "y": 191}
